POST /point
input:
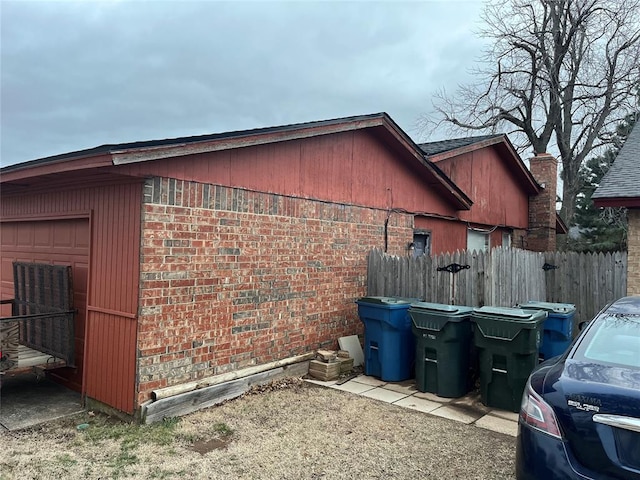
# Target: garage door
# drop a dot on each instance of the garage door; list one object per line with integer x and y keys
{"x": 56, "y": 242}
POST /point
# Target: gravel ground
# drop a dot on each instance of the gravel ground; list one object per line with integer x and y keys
{"x": 291, "y": 430}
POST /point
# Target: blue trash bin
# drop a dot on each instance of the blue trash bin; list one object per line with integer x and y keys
{"x": 557, "y": 328}
{"x": 389, "y": 344}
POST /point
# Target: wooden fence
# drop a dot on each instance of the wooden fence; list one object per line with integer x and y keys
{"x": 588, "y": 280}
{"x": 503, "y": 277}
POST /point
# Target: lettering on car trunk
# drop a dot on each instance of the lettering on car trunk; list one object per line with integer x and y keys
{"x": 586, "y": 404}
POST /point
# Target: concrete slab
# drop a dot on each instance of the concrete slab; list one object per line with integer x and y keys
{"x": 457, "y": 414}
{"x": 352, "y": 345}
{"x": 353, "y": 387}
{"x": 420, "y": 404}
{"x": 432, "y": 397}
{"x": 505, "y": 414}
{"x": 367, "y": 380}
{"x": 26, "y": 401}
{"x": 408, "y": 387}
{"x": 384, "y": 395}
{"x": 497, "y": 424}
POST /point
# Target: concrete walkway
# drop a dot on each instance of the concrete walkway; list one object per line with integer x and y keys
{"x": 26, "y": 400}
{"x": 467, "y": 409}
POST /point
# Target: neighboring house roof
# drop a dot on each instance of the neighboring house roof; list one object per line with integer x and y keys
{"x": 135, "y": 152}
{"x": 620, "y": 187}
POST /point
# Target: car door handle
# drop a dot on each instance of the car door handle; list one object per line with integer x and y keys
{"x": 628, "y": 423}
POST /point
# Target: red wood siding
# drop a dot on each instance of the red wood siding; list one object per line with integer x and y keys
{"x": 113, "y": 275}
{"x": 498, "y": 197}
{"x": 446, "y": 235}
{"x": 352, "y": 167}
{"x": 112, "y": 352}
{"x": 495, "y": 238}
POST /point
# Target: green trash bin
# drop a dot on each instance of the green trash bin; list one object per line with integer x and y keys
{"x": 443, "y": 341}
{"x": 507, "y": 340}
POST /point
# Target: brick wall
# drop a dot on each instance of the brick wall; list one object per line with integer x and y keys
{"x": 519, "y": 239}
{"x": 232, "y": 278}
{"x": 542, "y": 207}
{"x": 633, "y": 252}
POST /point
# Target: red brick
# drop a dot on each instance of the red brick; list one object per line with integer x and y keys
{"x": 542, "y": 207}
{"x": 291, "y": 286}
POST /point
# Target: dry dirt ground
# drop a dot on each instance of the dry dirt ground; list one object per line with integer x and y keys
{"x": 290, "y": 430}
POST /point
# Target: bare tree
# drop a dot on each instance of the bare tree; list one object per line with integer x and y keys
{"x": 562, "y": 73}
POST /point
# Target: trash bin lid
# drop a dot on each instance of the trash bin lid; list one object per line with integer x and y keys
{"x": 442, "y": 308}
{"x": 513, "y": 314}
{"x": 564, "y": 308}
{"x": 390, "y": 301}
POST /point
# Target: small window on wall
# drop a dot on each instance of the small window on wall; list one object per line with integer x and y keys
{"x": 421, "y": 244}
{"x": 506, "y": 240}
{"x": 478, "y": 241}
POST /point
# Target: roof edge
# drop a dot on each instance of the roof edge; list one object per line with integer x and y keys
{"x": 466, "y": 148}
{"x": 137, "y": 152}
{"x": 158, "y": 145}
{"x": 245, "y": 139}
{"x": 627, "y": 202}
{"x": 464, "y": 202}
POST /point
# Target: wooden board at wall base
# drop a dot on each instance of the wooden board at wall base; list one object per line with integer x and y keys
{"x": 194, "y": 400}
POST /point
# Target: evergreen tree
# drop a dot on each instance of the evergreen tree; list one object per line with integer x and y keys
{"x": 600, "y": 230}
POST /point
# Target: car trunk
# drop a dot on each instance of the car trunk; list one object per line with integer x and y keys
{"x": 611, "y": 444}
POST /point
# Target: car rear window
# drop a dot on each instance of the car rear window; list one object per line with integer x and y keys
{"x": 613, "y": 339}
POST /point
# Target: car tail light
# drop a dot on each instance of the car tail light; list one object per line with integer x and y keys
{"x": 537, "y": 413}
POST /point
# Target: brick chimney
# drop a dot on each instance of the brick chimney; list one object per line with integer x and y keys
{"x": 542, "y": 207}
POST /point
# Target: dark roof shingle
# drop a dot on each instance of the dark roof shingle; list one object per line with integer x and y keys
{"x": 433, "y": 148}
{"x": 623, "y": 179}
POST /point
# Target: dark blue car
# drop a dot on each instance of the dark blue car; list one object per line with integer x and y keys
{"x": 580, "y": 414}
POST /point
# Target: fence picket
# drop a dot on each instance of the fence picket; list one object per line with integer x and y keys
{"x": 503, "y": 277}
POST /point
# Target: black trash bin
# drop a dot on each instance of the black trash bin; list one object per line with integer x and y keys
{"x": 389, "y": 345}
{"x": 507, "y": 340}
{"x": 443, "y": 341}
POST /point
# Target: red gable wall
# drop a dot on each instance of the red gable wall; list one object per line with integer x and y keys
{"x": 351, "y": 167}
{"x": 498, "y": 197}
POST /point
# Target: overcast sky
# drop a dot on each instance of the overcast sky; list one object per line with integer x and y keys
{"x": 80, "y": 74}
